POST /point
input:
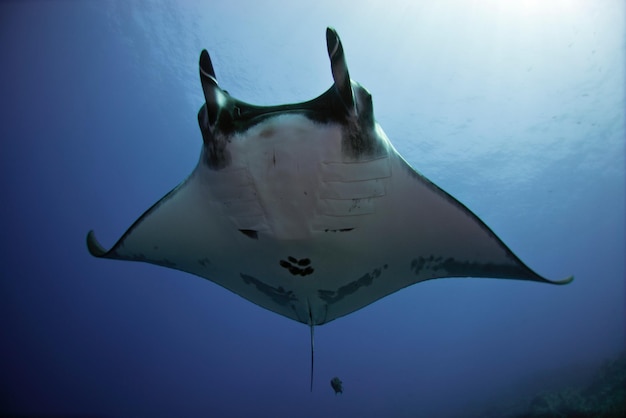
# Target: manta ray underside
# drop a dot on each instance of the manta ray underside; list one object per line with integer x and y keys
{"x": 307, "y": 209}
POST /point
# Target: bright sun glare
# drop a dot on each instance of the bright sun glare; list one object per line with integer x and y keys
{"x": 528, "y": 8}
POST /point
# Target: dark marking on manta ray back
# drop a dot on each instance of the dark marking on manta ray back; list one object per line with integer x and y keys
{"x": 339, "y": 230}
{"x": 449, "y": 267}
{"x": 277, "y": 294}
{"x": 250, "y": 233}
{"x": 204, "y": 262}
{"x": 158, "y": 261}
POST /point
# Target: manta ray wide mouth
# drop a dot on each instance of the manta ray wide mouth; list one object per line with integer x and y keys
{"x": 338, "y": 103}
{"x": 320, "y": 109}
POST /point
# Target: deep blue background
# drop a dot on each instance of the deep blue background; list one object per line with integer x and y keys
{"x": 515, "y": 108}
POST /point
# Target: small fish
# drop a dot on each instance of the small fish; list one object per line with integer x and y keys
{"x": 336, "y": 384}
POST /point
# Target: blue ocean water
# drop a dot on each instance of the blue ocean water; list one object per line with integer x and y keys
{"x": 515, "y": 108}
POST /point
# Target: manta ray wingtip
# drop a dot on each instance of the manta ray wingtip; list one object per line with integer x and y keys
{"x": 94, "y": 246}
{"x": 564, "y": 281}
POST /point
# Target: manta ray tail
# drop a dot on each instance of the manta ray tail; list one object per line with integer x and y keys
{"x": 312, "y": 341}
{"x": 311, "y": 357}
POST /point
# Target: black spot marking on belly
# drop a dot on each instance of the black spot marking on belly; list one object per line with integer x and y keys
{"x": 297, "y": 267}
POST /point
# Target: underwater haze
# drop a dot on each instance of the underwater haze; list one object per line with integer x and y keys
{"x": 516, "y": 108}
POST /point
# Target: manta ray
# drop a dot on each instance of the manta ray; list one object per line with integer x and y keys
{"x": 308, "y": 210}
